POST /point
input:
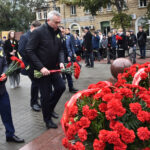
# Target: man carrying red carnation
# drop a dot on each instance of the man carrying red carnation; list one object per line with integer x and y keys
{"x": 45, "y": 53}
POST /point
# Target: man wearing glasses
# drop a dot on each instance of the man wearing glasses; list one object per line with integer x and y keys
{"x": 45, "y": 53}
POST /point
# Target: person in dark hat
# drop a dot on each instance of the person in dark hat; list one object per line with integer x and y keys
{"x": 88, "y": 48}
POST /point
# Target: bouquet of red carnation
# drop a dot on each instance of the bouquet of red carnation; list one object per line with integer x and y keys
{"x": 15, "y": 65}
{"x": 69, "y": 69}
{"x": 105, "y": 117}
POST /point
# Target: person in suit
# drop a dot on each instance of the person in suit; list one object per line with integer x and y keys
{"x": 34, "y": 85}
{"x": 5, "y": 108}
{"x": 88, "y": 48}
{"x": 142, "y": 38}
{"x": 69, "y": 54}
{"x": 121, "y": 43}
{"x": 45, "y": 53}
{"x": 11, "y": 49}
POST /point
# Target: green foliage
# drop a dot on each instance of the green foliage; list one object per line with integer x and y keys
{"x": 17, "y": 14}
{"x": 94, "y": 5}
{"x": 121, "y": 20}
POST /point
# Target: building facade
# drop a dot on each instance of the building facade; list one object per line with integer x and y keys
{"x": 76, "y": 18}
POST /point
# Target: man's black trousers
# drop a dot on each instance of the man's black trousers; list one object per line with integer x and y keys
{"x": 49, "y": 97}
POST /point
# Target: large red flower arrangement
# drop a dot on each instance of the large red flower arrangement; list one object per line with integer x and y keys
{"x": 107, "y": 117}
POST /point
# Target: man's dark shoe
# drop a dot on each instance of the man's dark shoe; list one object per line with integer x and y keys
{"x": 51, "y": 124}
{"x": 36, "y": 107}
{"x": 73, "y": 90}
{"x": 55, "y": 115}
{"x": 14, "y": 139}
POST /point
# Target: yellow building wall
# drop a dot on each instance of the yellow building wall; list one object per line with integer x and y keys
{"x": 81, "y": 18}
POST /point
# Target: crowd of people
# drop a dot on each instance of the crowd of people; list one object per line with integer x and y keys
{"x": 97, "y": 46}
{"x": 49, "y": 46}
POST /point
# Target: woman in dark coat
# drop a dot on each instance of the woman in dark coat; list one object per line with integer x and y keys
{"x": 11, "y": 49}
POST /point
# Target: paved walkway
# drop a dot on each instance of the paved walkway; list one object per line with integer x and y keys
{"x": 29, "y": 124}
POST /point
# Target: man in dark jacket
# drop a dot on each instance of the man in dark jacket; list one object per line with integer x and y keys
{"x": 45, "y": 53}
{"x": 142, "y": 38}
{"x": 88, "y": 48}
{"x": 95, "y": 43}
{"x": 5, "y": 109}
{"x": 132, "y": 46}
{"x": 34, "y": 85}
{"x": 70, "y": 56}
{"x": 121, "y": 43}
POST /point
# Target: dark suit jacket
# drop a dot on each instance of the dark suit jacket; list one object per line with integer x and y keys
{"x": 88, "y": 41}
{"x": 22, "y": 45}
{"x": 44, "y": 48}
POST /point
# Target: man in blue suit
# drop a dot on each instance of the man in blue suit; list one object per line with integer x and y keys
{"x": 34, "y": 86}
{"x": 5, "y": 109}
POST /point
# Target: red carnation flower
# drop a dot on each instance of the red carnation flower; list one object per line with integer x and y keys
{"x": 82, "y": 134}
{"x": 76, "y": 70}
{"x": 126, "y": 92}
{"x": 85, "y": 122}
{"x": 143, "y": 116}
{"x": 120, "y": 146}
{"x": 135, "y": 108}
{"x": 73, "y": 111}
{"x": 143, "y": 133}
{"x": 71, "y": 132}
{"x": 78, "y": 58}
{"x": 79, "y": 146}
{"x": 107, "y": 97}
{"x": 68, "y": 65}
{"x": 144, "y": 76}
{"x": 128, "y": 136}
{"x": 92, "y": 114}
{"x": 103, "y": 107}
{"x": 103, "y": 135}
{"x": 14, "y": 58}
{"x": 117, "y": 126}
{"x": 113, "y": 137}
{"x": 12, "y": 45}
{"x": 98, "y": 145}
{"x": 85, "y": 110}
{"x": 65, "y": 142}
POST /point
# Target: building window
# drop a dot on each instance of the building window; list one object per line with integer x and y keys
{"x": 142, "y": 3}
{"x": 39, "y": 15}
{"x": 73, "y": 10}
{"x": 87, "y": 12}
{"x": 45, "y": 14}
{"x": 109, "y": 7}
{"x": 101, "y": 9}
{"x": 58, "y": 9}
{"x": 125, "y": 4}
